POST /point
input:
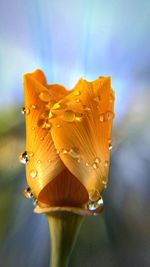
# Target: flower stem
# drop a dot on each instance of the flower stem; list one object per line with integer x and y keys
{"x": 64, "y": 227}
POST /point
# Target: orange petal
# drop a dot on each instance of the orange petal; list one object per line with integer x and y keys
{"x": 44, "y": 163}
{"x": 81, "y": 131}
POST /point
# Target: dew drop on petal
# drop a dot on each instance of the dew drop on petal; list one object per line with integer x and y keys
{"x": 45, "y": 96}
{"x": 33, "y": 128}
{"x": 74, "y": 152}
{"x": 47, "y": 125}
{"x": 51, "y": 115}
{"x": 33, "y": 174}
{"x": 76, "y": 92}
{"x": 95, "y": 165}
{"x": 86, "y": 108}
{"x": 95, "y": 205}
{"x": 58, "y": 126}
{"x": 78, "y": 100}
{"x": 78, "y": 117}
{"x": 104, "y": 183}
{"x": 97, "y": 160}
{"x": 33, "y": 106}
{"x": 57, "y": 106}
{"x": 101, "y": 117}
{"x": 110, "y": 146}
{"x": 69, "y": 115}
{"x": 27, "y": 193}
{"x": 35, "y": 202}
{"x": 23, "y": 158}
{"x": 25, "y": 111}
{"x": 64, "y": 151}
{"x": 106, "y": 163}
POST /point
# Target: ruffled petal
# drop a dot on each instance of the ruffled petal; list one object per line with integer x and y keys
{"x": 81, "y": 131}
{"x": 43, "y": 163}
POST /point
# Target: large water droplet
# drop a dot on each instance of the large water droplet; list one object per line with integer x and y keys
{"x": 23, "y": 158}
{"x": 27, "y": 193}
{"x": 104, "y": 183}
{"x": 74, "y": 152}
{"x": 45, "y": 96}
{"x": 33, "y": 174}
{"x": 110, "y": 146}
{"x": 69, "y": 115}
{"x": 25, "y": 110}
{"x": 95, "y": 205}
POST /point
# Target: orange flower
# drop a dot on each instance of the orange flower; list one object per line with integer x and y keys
{"x": 68, "y": 141}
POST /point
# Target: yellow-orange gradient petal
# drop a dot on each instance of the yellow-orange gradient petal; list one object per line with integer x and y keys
{"x": 44, "y": 163}
{"x": 81, "y": 131}
{"x": 50, "y": 181}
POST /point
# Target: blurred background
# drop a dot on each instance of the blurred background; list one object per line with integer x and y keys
{"x": 69, "y": 40}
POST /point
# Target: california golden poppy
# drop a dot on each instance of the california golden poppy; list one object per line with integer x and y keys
{"x": 68, "y": 141}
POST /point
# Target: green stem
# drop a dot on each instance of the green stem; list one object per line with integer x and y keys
{"x": 63, "y": 227}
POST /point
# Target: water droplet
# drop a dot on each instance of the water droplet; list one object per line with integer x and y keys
{"x": 30, "y": 153}
{"x": 78, "y": 117}
{"x": 87, "y": 164}
{"x": 57, "y": 152}
{"x": 101, "y": 117}
{"x": 42, "y": 138}
{"x": 58, "y": 126}
{"x": 51, "y": 115}
{"x": 69, "y": 115}
{"x": 76, "y": 92}
{"x": 97, "y": 160}
{"x": 45, "y": 96}
{"x": 110, "y": 146}
{"x": 33, "y": 106}
{"x": 35, "y": 202}
{"x": 97, "y": 99}
{"x": 33, "y": 128}
{"x": 47, "y": 125}
{"x": 25, "y": 111}
{"x": 49, "y": 160}
{"x": 23, "y": 158}
{"x": 95, "y": 205}
{"x": 33, "y": 173}
{"x": 74, "y": 152}
{"x": 109, "y": 115}
{"x": 64, "y": 151}
{"x": 104, "y": 183}
{"x": 86, "y": 108}
{"x": 39, "y": 161}
{"x": 106, "y": 163}
{"x": 95, "y": 165}
{"x": 78, "y": 100}
{"x": 27, "y": 193}
{"x": 57, "y": 106}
